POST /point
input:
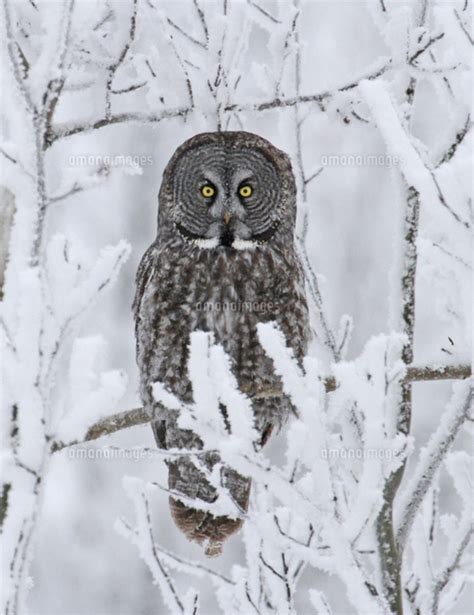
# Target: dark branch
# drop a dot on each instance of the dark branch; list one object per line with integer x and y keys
{"x": 139, "y": 416}
{"x": 457, "y": 142}
{"x": 429, "y": 468}
{"x": 67, "y": 130}
{"x": 425, "y": 47}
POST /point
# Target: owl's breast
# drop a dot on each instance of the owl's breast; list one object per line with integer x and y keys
{"x": 227, "y": 295}
{"x": 232, "y": 293}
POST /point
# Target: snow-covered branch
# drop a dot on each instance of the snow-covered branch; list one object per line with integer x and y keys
{"x": 326, "y": 505}
{"x": 138, "y": 416}
{"x": 431, "y": 458}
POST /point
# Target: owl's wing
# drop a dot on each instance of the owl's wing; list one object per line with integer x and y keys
{"x": 144, "y": 272}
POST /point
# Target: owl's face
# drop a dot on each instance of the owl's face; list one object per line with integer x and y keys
{"x": 225, "y": 195}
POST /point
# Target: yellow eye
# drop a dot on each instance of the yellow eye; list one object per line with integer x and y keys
{"x": 208, "y": 191}
{"x": 245, "y": 191}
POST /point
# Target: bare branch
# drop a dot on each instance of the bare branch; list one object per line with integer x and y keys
{"x": 309, "y": 179}
{"x": 14, "y": 54}
{"x": 442, "y": 200}
{"x": 278, "y": 103}
{"x": 445, "y": 576}
{"x": 272, "y": 570}
{"x": 7, "y": 214}
{"x": 193, "y": 565}
{"x": 389, "y": 554}
{"x": 67, "y": 129}
{"x": 131, "y": 88}
{"x": 113, "y": 68}
{"x": 263, "y": 12}
{"x": 60, "y": 197}
{"x": 430, "y": 461}
{"x": 203, "y": 21}
{"x": 463, "y": 27}
{"x": 139, "y": 416}
{"x": 449, "y": 154}
{"x": 62, "y": 131}
{"x": 390, "y": 561}
{"x": 161, "y": 568}
{"x": 450, "y": 254}
{"x": 190, "y": 38}
{"x": 425, "y": 47}
{"x": 107, "y": 17}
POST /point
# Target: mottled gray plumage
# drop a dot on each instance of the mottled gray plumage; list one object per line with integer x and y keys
{"x": 221, "y": 249}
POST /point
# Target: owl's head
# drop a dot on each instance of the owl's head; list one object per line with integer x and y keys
{"x": 227, "y": 189}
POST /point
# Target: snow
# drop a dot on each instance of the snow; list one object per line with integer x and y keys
{"x": 66, "y": 335}
{"x": 93, "y": 394}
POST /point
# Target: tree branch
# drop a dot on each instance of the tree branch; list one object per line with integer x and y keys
{"x": 278, "y": 103}
{"x": 61, "y": 131}
{"x": 67, "y": 130}
{"x": 139, "y": 416}
{"x": 445, "y": 576}
{"x": 430, "y": 460}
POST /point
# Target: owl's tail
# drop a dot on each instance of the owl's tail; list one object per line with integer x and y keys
{"x": 203, "y": 527}
{"x": 199, "y": 525}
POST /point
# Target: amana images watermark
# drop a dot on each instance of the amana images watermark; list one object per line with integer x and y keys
{"x": 359, "y": 453}
{"x": 107, "y": 453}
{"x": 236, "y": 306}
{"x": 360, "y": 160}
{"x": 116, "y": 160}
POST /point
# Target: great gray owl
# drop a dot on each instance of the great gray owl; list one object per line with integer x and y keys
{"x": 227, "y": 208}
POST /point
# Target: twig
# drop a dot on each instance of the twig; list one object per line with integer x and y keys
{"x": 190, "y": 38}
{"x": 445, "y": 576}
{"x": 139, "y": 416}
{"x": 74, "y": 190}
{"x": 62, "y": 131}
{"x": 442, "y": 200}
{"x": 104, "y": 20}
{"x": 202, "y": 19}
{"x": 457, "y": 142}
{"x": 429, "y": 463}
{"x": 16, "y": 60}
{"x": 131, "y": 88}
{"x": 425, "y": 47}
{"x": 450, "y": 254}
{"x": 278, "y": 103}
{"x": 161, "y": 568}
{"x": 313, "y": 176}
{"x": 272, "y": 570}
{"x": 17, "y": 162}
{"x": 196, "y": 565}
{"x": 66, "y": 130}
{"x": 113, "y": 68}
{"x": 463, "y": 27}
{"x": 263, "y": 12}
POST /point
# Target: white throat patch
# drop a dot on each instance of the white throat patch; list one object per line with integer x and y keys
{"x": 244, "y": 244}
{"x": 213, "y": 242}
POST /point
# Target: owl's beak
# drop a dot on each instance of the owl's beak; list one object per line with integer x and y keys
{"x": 227, "y": 217}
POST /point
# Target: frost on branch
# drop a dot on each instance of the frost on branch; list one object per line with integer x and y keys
{"x": 318, "y": 508}
{"x": 38, "y": 315}
{"x": 220, "y": 492}
{"x": 91, "y": 394}
{"x": 142, "y": 536}
{"x": 193, "y": 66}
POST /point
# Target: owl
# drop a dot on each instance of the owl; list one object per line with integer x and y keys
{"x": 223, "y": 260}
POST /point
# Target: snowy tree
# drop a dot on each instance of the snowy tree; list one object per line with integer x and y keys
{"x": 351, "y": 499}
